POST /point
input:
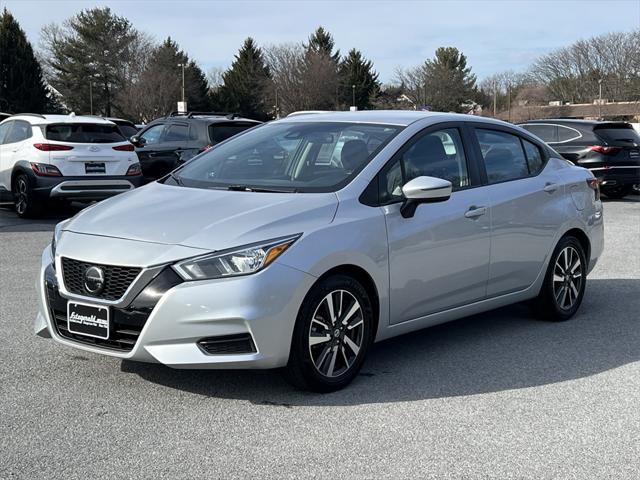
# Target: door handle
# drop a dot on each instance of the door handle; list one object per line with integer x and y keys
{"x": 475, "y": 212}
{"x": 550, "y": 187}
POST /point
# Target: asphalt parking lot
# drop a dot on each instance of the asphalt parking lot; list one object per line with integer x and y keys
{"x": 499, "y": 395}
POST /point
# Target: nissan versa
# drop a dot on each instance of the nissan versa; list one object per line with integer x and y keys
{"x": 300, "y": 242}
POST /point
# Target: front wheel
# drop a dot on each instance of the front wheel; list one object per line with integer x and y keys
{"x": 564, "y": 285}
{"x": 332, "y": 335}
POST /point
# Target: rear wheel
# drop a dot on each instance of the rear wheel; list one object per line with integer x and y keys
{"x": 565, "y": 282}
{"x": 617, "y": 192}
{"x": 333, "y": 332}
{"x": 26, "y": 204}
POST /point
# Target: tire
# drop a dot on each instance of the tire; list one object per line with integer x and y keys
{"x": 617, "y": 192}
{"x": 26, "y": 203}
{"x": 334, "y": 357}
{"x": 562, "y": 291}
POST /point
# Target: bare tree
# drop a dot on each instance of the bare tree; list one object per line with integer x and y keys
{"x": 287, "y": 67}
{"x": 215, "y": 78}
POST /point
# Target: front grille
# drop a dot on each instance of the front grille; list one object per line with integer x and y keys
{"x": 228, "y": 344}
{"x": 117, "y": 279}
{"x": 125, "y": 323}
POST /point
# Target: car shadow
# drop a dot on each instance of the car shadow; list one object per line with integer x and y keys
{"x": 500, "y": 350}
{"x": 10, "y": 222}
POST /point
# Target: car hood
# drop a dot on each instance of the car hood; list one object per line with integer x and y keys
{"x": 201, "y": 218}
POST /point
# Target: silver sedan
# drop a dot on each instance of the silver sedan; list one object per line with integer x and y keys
{"x": 301, "y": 242}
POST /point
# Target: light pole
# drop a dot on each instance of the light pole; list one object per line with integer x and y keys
{"x": 353, "y": 95}
{"x": 182, "y": 65}
{"x": 600, "y": 99}
{"x": 91, "y": 96}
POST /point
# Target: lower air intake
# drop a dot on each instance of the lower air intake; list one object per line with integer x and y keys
{"x": 228, "y": 344}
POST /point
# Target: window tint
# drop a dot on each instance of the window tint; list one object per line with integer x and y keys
{"x": 220, "y": 132}
{"x": 566, "y": 134}
{"x": 439, "y": 154}
{"x": 534, "y": 157}
{"x": 84, "y": 133}
{"x": 20, "y": 131}
{"x": 503, "y": 155}
{"x": 4, "y": 129}
{"x": 152, "y": 135}
{"x": 176, "y": 133}
{"x": 547, "y": 133}
{"x": 128, "y": 130}
{"x": 617, "y": 133}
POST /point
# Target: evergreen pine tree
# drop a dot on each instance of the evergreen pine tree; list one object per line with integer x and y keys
{"x": 22, "y": 88}
{"x": 449, "y": 83}
{"x": 246, "y": 83}
{"x": 357, "y": 77}
{"x": 321, "y": 43}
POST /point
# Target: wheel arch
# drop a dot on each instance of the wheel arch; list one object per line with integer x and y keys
{"x": 21, "y": 167}
{"x": 583, "y": 238}
{"x": 362, "y": 276}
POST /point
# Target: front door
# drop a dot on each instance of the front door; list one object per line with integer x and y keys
{"x": 439, "y": 258}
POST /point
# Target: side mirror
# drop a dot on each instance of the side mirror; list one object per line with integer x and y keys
{"x": 137, "y": 140}
{"x": 424, "y": 190}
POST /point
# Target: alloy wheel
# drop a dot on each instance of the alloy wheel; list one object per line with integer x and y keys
{"x": 21, "y": 196}
{"x": 567, "y": 278}
{"x": 336, "y": 333}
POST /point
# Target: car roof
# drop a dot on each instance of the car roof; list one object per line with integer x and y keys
{"x": 576, "y": 121}
{"x": 37, "y": 119}
{"x": 390, "y": 117}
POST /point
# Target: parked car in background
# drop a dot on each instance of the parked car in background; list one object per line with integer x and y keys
{"x": 168, "y": 142}
{"x": 49, "y": 158}
{"x": 611, "y": 150}
{"x": 273, "y": 250}
{"x": 127, "y": 128}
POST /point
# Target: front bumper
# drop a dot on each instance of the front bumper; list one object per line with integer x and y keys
{"x": 264, "y": 305}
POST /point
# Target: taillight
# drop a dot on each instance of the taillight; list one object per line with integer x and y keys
{"x": 125, "y": 148}
{"x": 605, "y": 150}
{"x": 595, "y": 186}
{"x": 134, "y": 169}
{"x": 44, "y": 170}
{"x": 52, "y": 147}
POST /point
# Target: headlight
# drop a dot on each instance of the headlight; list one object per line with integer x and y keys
{"x": 56, "y": 235}
{"x": 239, "y": 261}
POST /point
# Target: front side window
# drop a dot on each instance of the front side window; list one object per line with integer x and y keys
{"x": 152, "y": 135}
{"x": 176, "y": 133}
{"x": 84, "y": 133}
{"x": 4, "y": 130}
{"x": 503, "y": 155}
{"x": 289, "y": 156}
{"x": 20, "y": 131}
{"x": 438, "y": 154}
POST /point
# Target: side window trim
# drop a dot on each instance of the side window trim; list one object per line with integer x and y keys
{"x": 499, "y": 128}
{"x": 474, "y": 172}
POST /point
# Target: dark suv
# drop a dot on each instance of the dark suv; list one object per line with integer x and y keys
{"x": 611, "y": 150}
{"x": 167, "y": 142}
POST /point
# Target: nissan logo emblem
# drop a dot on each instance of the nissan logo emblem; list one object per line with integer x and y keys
{"x": 93, "y": 280}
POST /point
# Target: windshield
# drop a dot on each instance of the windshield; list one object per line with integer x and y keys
{"x": 301, "y": 157}
{"x": 84, "y": 133}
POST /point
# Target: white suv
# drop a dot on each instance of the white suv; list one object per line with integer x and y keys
{"x": 44, "y": 158}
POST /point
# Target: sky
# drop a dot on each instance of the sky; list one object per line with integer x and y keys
{"x": 495, "y": 35}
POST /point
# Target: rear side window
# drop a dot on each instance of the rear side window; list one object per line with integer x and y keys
{"x": 219, "y": 132}
{"x": 176, "y": 133}
{"x": 503, "y": 155}
{"x": 566, "y": 134}
{"x": 534, "y": 157}
{"x": 83, "y": 133}
{"x": 547, "y": 133}
{"x": 20, "y": 131}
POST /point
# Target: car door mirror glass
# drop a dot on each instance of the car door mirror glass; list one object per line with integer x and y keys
{"x": 424, "y": 190}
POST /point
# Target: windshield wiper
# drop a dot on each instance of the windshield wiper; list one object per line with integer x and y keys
{"x": 176, "y": 179}
{"x": 249, "y": 188}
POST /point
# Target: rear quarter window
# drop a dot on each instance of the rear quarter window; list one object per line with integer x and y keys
{"x": 547, "y": 133}
{"x": 84, "y": 133}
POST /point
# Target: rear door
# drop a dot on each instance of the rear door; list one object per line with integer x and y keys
{"x": 526, "y": 206}
{"x": 81, "y": 149}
